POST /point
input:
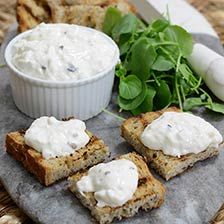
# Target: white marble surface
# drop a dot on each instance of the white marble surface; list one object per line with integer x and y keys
{"x": 191, "y": 198}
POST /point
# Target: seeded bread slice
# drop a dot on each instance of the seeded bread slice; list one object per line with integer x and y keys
{"x": 48, "y": 171}
{"x": 32, "y": 12}
{"x": 89, "y": 13}
{"x": 150, "y": 194}
{"x": 165, "y": 165}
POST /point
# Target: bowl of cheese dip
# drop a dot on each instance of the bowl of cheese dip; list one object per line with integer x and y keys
{"x": 61, "y": 70}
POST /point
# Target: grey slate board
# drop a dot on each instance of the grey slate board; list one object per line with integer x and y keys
{"x": 191, "y": 198}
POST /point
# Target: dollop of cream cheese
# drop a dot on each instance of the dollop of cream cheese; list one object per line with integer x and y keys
{"x": 178, "y": 134}
{"x": 63, "y": 52}
{"x": 113, "y": 183}
{"x": 54, "y": 138}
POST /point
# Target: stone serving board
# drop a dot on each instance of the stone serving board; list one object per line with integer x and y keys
{"x": 192, "y": 197}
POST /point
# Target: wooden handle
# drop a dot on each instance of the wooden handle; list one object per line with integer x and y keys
{"x": 218, "y": 218}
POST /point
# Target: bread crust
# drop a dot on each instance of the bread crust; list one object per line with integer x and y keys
{"x": 149, "y": 194}
{"x": 165, "y": 165}
{"x": 51, "y": 170}
{"x": 89, "y": 13}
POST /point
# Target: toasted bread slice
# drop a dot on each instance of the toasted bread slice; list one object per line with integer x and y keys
{"x": 48, "y": 171}
{"x": 150, "y": 194}
{"x": 32, "y": 12}
{"x": 89, "y": 13}
{"x": 165, "y": 165}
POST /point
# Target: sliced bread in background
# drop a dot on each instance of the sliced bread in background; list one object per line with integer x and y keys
{"x": 82, "y": 12}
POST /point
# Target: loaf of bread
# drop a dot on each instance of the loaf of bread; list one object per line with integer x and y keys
{"x": 165, "y": 165}
{"x": 48, "y": 171}
{"x": 82, "y": 12}
{"x": 149, "y": 194}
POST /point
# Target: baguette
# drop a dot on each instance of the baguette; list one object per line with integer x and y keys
{"x": 150, "y": 194}
{"x": 165, "y": 165}
{"x": 51, "y": 170}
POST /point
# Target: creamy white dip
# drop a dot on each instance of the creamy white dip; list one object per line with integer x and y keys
{"x": 63, "y": 52}
{"x": 113, "y": 183}
{"x": 55, "y": 138}
{"x": 178, "y": 134}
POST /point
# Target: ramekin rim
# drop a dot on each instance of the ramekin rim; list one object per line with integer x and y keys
{"x": 80, "y": 82}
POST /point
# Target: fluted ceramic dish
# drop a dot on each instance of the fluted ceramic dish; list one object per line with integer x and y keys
{"x": 82, "y": 99}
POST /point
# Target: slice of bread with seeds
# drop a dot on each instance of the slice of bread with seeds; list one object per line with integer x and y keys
{"x": 165, "y": 165}
{"x": 149, "y": 194}
{"x": 89, "y": 13}
{"x": 51, "y": 170}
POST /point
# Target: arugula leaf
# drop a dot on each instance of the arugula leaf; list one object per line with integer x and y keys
{"x": 124, "y": 43}
{"x": 134, "y": 103}
{"x": 178, "y": 35}
{"x": 126, "y": 25}
{"x": 192, "y": 102}
{"x": 163, "y": 96}
{"x": 159, "y": 25}
{"x": 162, "y": 64}
{"x": 130, "y": 87}
{"x": 147, "y": 104}
{"x": 216, "y": 107}
{"x": 112, "y": 17}
{"x": 142, "y": 58}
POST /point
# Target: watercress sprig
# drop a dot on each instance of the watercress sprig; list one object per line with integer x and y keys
{"x": 153, "y": 73}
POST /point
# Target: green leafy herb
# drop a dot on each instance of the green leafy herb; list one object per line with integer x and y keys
{"x": 126, "y": 25}
{"x": 163, "y": 96}
{"x": 192, "y": 102}
{"x": 153, "y": 72}
{"x": 130, "y": 87}
{"x": 112, "y": 17}
{"x": 133, "y": 103}
{"x": 162, "y": 64}
{"x": 147, "y": 104}
{"x": 217, "y": 107}
{"x": 177, "y": 34}
{"x": 159, "y": 25}
{"x": 142, "y": 58}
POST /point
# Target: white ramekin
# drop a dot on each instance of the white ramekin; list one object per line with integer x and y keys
{"x": 82, "y": 99}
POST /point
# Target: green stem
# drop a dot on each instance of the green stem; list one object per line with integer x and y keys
{"x": 142, "y": 24}
{"x": 164, "y": 76}
{"x": 114, "y": 115}
{"x": 3, "y": 65}
{"x": 168, "y": 13}
{"x": 166, "y": 43}
{"x": 149, "y": 81}
{"x": 178, "y": 62}
{"x": 178, "y": 94}
{"x": 147, "y": 31}
{"x": 209, "y": 98}
{"x": 195, "y": 88}
{"x": 168, "y": 55}
{"x": 157, "y": 82}
{"x": 167, "y": 105}
{"x": 182, "y": 92}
